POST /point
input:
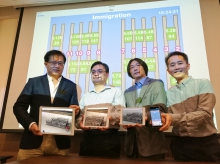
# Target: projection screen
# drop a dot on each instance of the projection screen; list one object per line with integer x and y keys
{"x": 109, "y": 31}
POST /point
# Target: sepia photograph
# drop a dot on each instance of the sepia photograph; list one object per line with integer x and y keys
{"x": 131, "y": 116}
{"x": 96, "y": 117}
{"x": 56, "y": 120}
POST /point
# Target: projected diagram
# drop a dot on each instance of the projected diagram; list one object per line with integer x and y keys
{"x": 115, "y": 38}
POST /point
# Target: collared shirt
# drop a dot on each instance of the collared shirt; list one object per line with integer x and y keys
{"x": 109, "y": 94}
{"x": 191, "y": 106}
{"x": 139, "y": 85}
{"x": 53, "y": 88}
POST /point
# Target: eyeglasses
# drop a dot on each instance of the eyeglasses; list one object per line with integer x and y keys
{"x": 54, "y": 63}
{"x": 99, "y": 71}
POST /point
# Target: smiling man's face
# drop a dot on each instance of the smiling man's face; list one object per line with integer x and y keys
{"x": 137, "y": 70}
{"x": 178, "y": 68}
{"x": 99, "y": 75}
{"x": 55, "y": 66}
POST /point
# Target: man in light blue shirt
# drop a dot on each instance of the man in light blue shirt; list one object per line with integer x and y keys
{"x": 101, "y": 141}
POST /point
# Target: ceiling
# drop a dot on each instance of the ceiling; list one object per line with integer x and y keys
{"x": 28, "y": 3}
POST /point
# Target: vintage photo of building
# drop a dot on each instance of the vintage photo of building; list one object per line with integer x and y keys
{"x": 96, "y": 117}
{"x": 63, "y": 123}
{"x": 132, "y": 116}
{"x": 56, "y": 121}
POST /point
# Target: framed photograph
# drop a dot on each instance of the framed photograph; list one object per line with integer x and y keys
{"x": 57, "y": 120}
{"x": 131, "y": 116}
{"x": 96, "y": 117}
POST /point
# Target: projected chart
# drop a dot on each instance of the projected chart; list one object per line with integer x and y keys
{"x": 114, "y": 38}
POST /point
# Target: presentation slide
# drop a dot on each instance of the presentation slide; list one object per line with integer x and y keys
{"x": 116, "y": 34}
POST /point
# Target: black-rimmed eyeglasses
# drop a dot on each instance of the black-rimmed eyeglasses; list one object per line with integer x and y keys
{"x": 99, "y": 71}
{"x": 54, "y": 63}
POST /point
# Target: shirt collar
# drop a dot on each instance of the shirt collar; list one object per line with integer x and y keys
{"x": 141, "y": 81}
{"x": 50, "y": 78}
{"x": 184, "y": 82}
{"x": 106, "y": 87}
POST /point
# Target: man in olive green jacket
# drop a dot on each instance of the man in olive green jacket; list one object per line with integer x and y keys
{"x": 143, "y": 140}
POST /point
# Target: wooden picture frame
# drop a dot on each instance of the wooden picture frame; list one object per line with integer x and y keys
{"x": 57, "y": 120}
{"x": 132, "y": 116}
{"x": 96, "y": 117}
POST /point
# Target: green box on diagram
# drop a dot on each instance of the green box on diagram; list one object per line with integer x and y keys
{"x": 83, "y": 65}
{"x": 86, "y": 39}
{"x": 171, "y": 33}
{"x": 139, "y": 35}
{"x": 116, "y": 79}
{"x": 57, "y": 40}
{"x": 147, "y": 35}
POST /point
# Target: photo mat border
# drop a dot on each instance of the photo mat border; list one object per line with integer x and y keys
{"x": 97, "y": 108}
{"x": 58, "y": 109}
{"x": 132, "y": 108}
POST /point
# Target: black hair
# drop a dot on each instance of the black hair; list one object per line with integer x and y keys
{"x": 141, "y": 62}
{"x": 103, "y": 64}
{"x": 178, "y": 53}
{"x": 52, "y": 53}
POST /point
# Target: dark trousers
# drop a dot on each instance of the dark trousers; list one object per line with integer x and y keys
{"x": 136, "y": 154}
{"x": 100, "y": 143}
{"x": 196, "y": 148}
